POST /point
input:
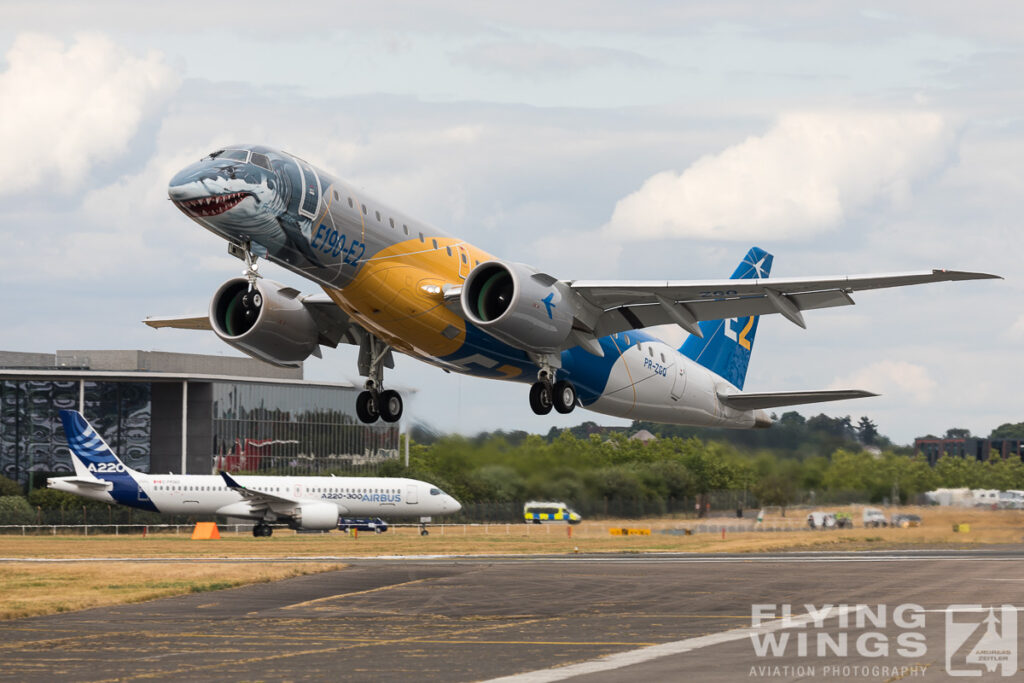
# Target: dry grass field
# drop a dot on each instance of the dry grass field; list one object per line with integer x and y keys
{"x": 33, "y": 589}
{"x": 37, "y": 588}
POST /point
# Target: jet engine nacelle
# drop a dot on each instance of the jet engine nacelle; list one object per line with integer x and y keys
{"x": 269, "y": 323}
{"x": 315, "y": 516}
{"x": 518, "y": 305}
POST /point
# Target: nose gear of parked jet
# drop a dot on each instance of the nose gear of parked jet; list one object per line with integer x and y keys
{"x": 376, "y": 402}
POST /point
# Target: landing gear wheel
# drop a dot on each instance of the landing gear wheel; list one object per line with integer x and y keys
{"x": 262, "y": 530}
{"x": 366, "y": 408}
{"x": 390, "y": 404}
{"x": 541, "y": 398}
{"x": 564, "y": 396}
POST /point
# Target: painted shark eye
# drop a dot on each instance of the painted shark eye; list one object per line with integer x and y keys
{"x": 270, "y": 183}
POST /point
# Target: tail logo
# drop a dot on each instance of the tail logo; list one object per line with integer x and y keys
{"x": 737, "y": 330}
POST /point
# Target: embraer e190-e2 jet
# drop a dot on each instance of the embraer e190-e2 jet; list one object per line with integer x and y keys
{"x": 312, "y": 503}
{"x": 393, "y": 283}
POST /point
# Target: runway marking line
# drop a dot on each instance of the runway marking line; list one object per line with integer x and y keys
{"x": 315, "y": 601}
{"x": 633, "y": 657}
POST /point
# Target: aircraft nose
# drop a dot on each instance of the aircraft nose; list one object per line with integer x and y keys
{"x": 455, "y": 505}
{"x": 187, "y": 183}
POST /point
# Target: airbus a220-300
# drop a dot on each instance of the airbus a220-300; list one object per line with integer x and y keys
{"x": 393, "y": 283}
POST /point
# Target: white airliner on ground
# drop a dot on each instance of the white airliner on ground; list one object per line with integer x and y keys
{"x": 393, "y": 282}
{"x": 300, "y": 502}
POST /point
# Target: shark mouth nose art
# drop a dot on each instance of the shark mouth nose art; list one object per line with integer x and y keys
{"x": 213, "y": 206}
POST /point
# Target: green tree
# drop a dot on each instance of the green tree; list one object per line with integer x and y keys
{"x": 9, "y": 487}
{"x": 867, "y": 431}
{"x": 16, "y": 510}
{"x": 1008, "y": 431}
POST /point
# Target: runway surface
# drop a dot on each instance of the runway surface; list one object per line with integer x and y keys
{"x": 579, "y": 618}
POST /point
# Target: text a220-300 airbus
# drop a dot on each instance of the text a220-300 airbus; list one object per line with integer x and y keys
{"x": 395, "y": 283}
{"x": 312, "y": 503}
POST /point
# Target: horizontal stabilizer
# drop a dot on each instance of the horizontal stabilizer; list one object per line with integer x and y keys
{"x": 779, "y": 399}
{"x": 97, "y": 484}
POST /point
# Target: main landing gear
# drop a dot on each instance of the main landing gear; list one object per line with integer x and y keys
{"x": 262, "y": 530}
{"x": 375, "y": 402}
{"x": 544, "y": 395}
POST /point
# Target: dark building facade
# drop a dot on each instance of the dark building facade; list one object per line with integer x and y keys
{"x": 166, "y": 412}
{"x": 970, "y": 448}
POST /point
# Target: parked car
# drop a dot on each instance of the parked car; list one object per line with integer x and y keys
{"x": 375, "y": 524}
{"x": 904, "y": 521}
{"x": 873, "y": 517}
{"x": 844, "y": 520}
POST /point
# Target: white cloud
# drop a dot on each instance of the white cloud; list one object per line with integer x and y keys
{"x": 804, "y": 176}
{"x": 67, "y": 108}
{"x": 889, "y": 377}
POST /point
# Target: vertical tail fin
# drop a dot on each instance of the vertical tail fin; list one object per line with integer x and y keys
{"x": 90, "y": 454}
{"x": 726, "y": 346}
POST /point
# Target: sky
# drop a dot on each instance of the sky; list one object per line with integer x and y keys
{"x": 596, "y": 140}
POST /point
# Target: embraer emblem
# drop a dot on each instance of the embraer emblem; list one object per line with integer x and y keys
{"x": 547, "y": 303}
{"x": 759, "y": 267}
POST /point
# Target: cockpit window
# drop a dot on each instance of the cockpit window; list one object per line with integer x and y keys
{"x": 261, "y": 160}
{"x": 235, "y": 154}
{"x": 435, "y": 492}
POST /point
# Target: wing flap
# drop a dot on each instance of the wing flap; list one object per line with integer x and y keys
{"x": 779, "y": 399}
{"x": 636, "y": 304}
{"x": 650, "y": 314}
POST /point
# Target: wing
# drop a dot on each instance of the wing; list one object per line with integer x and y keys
{"x": 616, "y": 306}
{"x": 284, "y": 506}
{"x": 788, "y": 398}
{"x": 334, "y": 325}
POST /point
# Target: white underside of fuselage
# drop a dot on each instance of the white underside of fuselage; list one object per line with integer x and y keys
{"x": 641, "y": 386}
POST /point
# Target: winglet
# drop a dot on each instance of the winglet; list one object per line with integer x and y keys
{"x": 230, "y": 481}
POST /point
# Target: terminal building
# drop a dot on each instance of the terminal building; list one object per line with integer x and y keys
{"x": 183, "y": 413}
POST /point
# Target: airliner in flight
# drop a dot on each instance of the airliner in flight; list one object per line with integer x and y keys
{"x": 316, "y": 503}
{"x": 393, "y": 283}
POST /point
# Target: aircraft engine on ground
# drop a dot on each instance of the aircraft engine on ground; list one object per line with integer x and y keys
{"x": 315, "y": 516}
{"x": 269, "y": 323}
{"x": 522, "y": 307}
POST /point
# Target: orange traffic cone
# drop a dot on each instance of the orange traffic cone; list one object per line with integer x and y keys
{"x": 205, "y": 531}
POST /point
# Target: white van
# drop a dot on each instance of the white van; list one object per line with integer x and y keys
{"x": 821, "y": 520}
{"x": 538, "y": 512}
